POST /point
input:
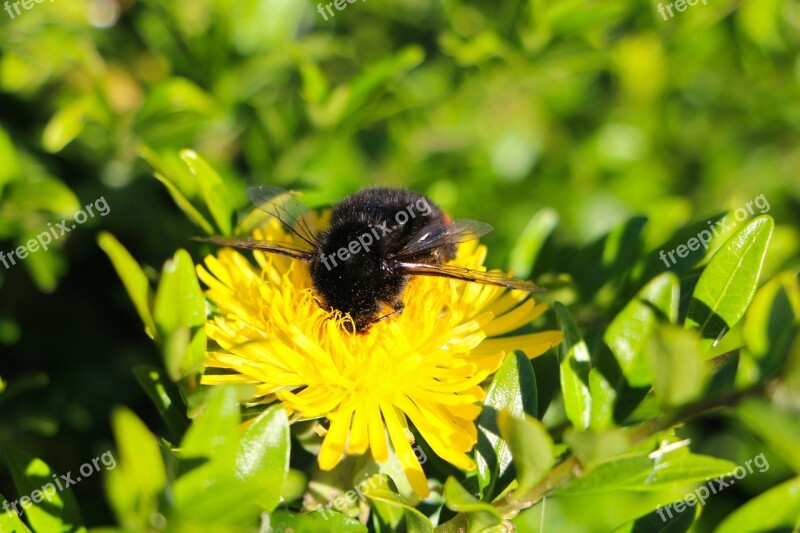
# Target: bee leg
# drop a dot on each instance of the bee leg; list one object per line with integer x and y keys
{"x": 397, "y": 309}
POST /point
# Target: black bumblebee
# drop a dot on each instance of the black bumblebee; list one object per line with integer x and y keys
{"x": 376, "y": 240}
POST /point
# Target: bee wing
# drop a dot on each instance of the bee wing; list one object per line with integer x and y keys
{"x": 283, "y": 205}
{"x": 246, "y": 243}
{"x": 467, "y": 274}
{"x": 436, "y": 235}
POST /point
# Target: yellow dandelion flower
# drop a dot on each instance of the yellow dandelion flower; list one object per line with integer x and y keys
{"x": 425, "y": 365}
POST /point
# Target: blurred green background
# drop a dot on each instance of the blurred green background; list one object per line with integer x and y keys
{"x": 585, "y": 112}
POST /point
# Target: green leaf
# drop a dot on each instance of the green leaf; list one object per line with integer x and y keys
{"x": 215, "y": 429}
{"x": 780, "y": 430}
{"x": 575, "y": 363}
{"x": 643, "y": 472}
{"x": 10, "y": 169}
{"x": 315, "y": 84}
{"x": 593, "y": 447}
{"x": 513, "y": 388}
{"x": 531, "y": 447}
{"x": 458, "y": 499}
{"x": 172, "y": 112}
{"x": 416, "y": 522}
{"x": 9, "y": 521}
{"x": 727, "y": 285}
{"x": 315, "y": 522}
{"x": 212, "y": 492}
{"x": 656, "y": 261}
{"x": 348, "y": 100}
{"x": 264, "y": 454}
{"x": 135, "y": 484}
{"x": 67, "y": 123}
{"x": 607, "y": 258}
{"x": 185, "y": 205}
{"x": 133, "y": 278}
{"x": 629, "y": 333}
{"x": 56, "y": 509}
{"x": 44, "y": 268}
{"x": 603, "y": 398}
{"x": 295, "y": 485}
{"x": 770, "y": 322}
{"x": 680, "y": 522}
{"x": 179, "y": 312}
{"x": 775, "y": 510}
{"x": 213, "y": 190}
{"x": 166, "y": 397}
{"x": 530, "y": 242}
{"x": 676, "y": 364}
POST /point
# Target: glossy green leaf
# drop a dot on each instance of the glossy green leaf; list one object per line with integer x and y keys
{"x": 531, "y": 447}
{"x": 770, "y": 322}
{"x": 212, "y": 491}
{"x": 660, "y": 522}
{"x": 9, "y": 521}
{"x": 133, "y": 278}
{"x": 264, "y": 454}
{"x": 659, "y": 260}
{"x": 213, "y": 190}
{"x": 727, "y": 285}
{"x": 389, "y": 506}
{"x": 56, "y": 510}
{"x": 209, "y": 497}
{"x": 604, "y": 396}
{"x": 185, "y": 205}
{"x": 513, "y": 388}
{"x": 457, "y": 498}
{"x": 530, "y": 242}
{"x": 777, "y": 509}
{"x": 179, "y": 313}
{"x": 166, "y": 397}
{"x": 575, "y": 366}
{"x": 215, "y": 429}
{"x": 315, "y": 522}
{"x": 630, "y": 331}
{"x": 643, "y": 472}
{"x": 415, "y": 521}
{"x": 593, "y": 447}
{"x": 140, "y": 475}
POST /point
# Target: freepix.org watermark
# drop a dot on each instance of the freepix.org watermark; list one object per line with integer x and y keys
{"x": 703, "y": 237}
{"x": 703, "y": 492}
{"x": 26, "y": 5}
{"x": 340, "y": 5}
{"x": 365, "y": 240}
{"x": 679, "y": 5}
{"x": 362, "y": 490}
{"x": 48, "y": 490}
{"x": 43, "y": 240}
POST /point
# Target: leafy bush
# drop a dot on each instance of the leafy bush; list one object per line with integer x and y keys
{"x": 642, "y": 169}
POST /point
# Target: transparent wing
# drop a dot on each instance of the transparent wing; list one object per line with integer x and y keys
{"x": 283, "y": 205}
{"x": 246, "y": 243}
{"x": 437, "y": 235}
{"x": 467, "y": 274}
